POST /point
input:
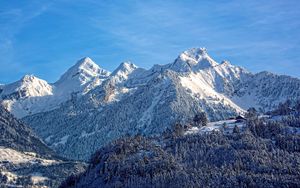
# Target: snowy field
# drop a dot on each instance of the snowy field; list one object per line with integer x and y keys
{"x": 10, "y": 158}
{"x": 225, "y": 125}
{"x": 8, "y": 155}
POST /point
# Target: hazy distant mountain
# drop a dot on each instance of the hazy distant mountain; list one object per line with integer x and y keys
{"x": 133, "y": 100}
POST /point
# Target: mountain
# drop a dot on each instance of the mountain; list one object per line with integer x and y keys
{"x": 133, "y": 100}
{"x": 255, "y": 152}
{"x": 137, "y": 155}
{"x": 17, "y": 136}
{"x": 80, "y": 77}
{"x": 194, "y": 59}
{"x": 32, "y": 95}
{"x": 266, "y": 90}
{"x": 25, "y": 160}
{"x": 19, "y": 96}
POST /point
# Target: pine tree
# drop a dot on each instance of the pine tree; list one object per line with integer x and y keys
{"x": 200, "y": 119}
{"x": 236, "y": 130}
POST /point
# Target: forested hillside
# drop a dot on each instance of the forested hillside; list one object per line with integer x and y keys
{"x": 264, "y": 153}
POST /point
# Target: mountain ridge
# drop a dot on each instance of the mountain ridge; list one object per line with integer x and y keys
{"x": 133, "y": 100}
{"x": 150, "y": 101}
{"x": 31, "y": 95}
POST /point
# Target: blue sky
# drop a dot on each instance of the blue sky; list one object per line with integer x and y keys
{"x": 45, "y": 38}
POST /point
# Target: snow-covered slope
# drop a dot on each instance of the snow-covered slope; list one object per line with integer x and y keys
{"x": 29, "y": 85}
{"x": 88, "y": 106}
{"x": 83, "y": 73}
{"x": 193, "y": 59}
{"x": 27, "y": 169}
{"x": 265, "y": 91}
{"x": 16, "y": 135}
{"x": 137, "y": 101}
{"x": 25, "y": 161}
{"x": 32, "y": 95}
{"x": 20, "y": 96}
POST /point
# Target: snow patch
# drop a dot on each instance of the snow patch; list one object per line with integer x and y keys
{"x": 62, "y": 141}
{"x": 200, "y": 86}
{"x": 16, "y": 157}
{"x": 37, "y": 178}
{"x": 226, "y": 126}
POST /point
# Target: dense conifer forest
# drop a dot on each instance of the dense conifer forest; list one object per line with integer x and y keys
{"x": 265, "y": 153}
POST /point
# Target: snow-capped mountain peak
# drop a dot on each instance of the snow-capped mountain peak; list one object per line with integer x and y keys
{"x": 31, "y": 95}
{"x": 28, "y": 85}
{"x": 85, "y": 70}
{"x": 28, "y": 78}
{"x": 124, "y": 69}
{"x": 81, "y": 77}
{"x": 196, "y": 53}
{"x": 194, "y": 59}
{"x": 225, "y": 62}
{"x": 17, "y": 97}
{"x": 133, "y": 101}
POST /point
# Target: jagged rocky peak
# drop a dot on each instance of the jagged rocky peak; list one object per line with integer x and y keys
{"x": 28, "y": 78}
{"x": 225, "y": 62}
{"x": 124, "y": 68}
{"x": 31, "y": 79}
{"x": 84, "y": 71}
{"x": 28, "y": 85}
{"x": 87, "y": 64}
{"x": 36, "y": 86}
{"x": 193, "y": 59}
{"x": 195, "y": 54}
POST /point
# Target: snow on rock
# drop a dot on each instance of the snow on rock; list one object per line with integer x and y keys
{"x": 124, "y": 69}
{"x": 29, "y": 85}
{"x": 117, "y": 83}
{"x": 32, "y": 95}
{"x": 132, "y": 100}
{"x": 82, "y": 73}
{"x": 19, "y": 96}
{"x": 202, "y": 85}
{"x": 193, "y": 60}
{"x": 148, "y": 114}
{"x": 37, "y": 178}
{"x": 63, "y": 140}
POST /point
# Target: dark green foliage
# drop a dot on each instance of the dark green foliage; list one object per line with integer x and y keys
{"x": 200, "y": 119}
{"x": 70, "y": 181}
{"x": 14, "y": 134}
{"x": 236, "y": 130}
{"x": 131, "y": 162}
{"x": 297, "y": 106}
{"x": 287, "y": 108}
{"x": 178, "y": 129}
{"x": 291, "y": 120}
{"x": 17, "y": 136}
{"x": 251, "y": 113}
{"x": 265, "y": 129}
{"x": 264, "y": 154}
